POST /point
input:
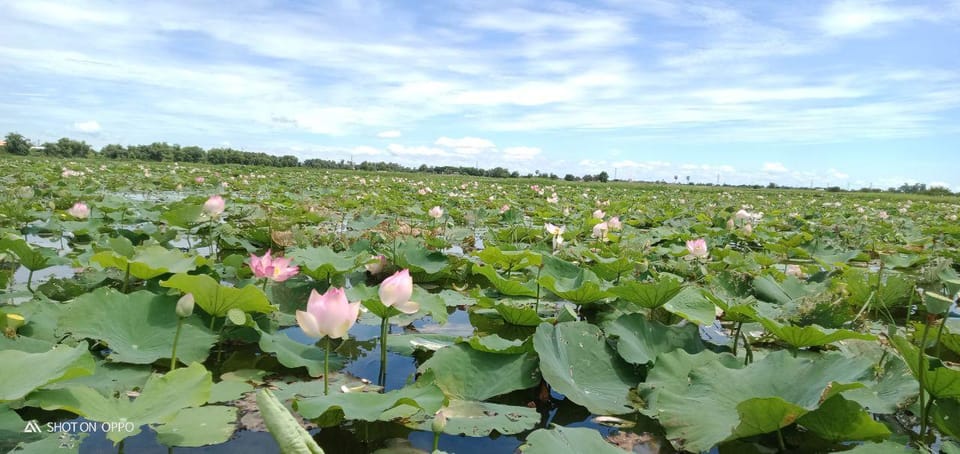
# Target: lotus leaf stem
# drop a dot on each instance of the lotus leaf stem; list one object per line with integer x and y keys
{"x": 384, "y": 331}
{"x": 326, "y": 367}
{"x": 176, "y": 338}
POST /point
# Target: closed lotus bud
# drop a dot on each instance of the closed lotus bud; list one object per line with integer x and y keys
{"x": 185, "y": 305}
{"x": 439, "y": 422}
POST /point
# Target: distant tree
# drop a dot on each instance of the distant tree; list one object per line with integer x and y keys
{"x": 17, "y": 144}
{"x": 570, "y": 177}
{"x": 602, "y": 177}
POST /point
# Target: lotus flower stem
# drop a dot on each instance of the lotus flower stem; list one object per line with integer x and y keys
{"x": 265, "y": 280}
{"x": 176, "y": 338}
{"x": 736, "y": 337}
{"x": 126, "y": 278}
{"x": 939, "y": 335}
{"x": 219, "y": 338}
{"x": 920, "y": 374}
{"x": 384, "y": 331}
{"x": 326, "y": 367}
{"x": 436, "y": 441}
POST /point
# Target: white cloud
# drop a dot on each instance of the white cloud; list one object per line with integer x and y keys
{"x": 520, "y": 153}
{"x": 774, "y": 167}
{"x": 403, "y": 150}
{"x": 465, "y": 142}
{"x": 836, "y": 174}
{"x": 389, "y": 134}
{"x": 364, "y": 150}
{"x": 847, "y": 17}
{"x": 89, "y": 126}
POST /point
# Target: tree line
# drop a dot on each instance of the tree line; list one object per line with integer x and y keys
{"x": 162, "y": 151}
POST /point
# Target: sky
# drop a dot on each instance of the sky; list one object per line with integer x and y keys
{"x": 851, "y": 93}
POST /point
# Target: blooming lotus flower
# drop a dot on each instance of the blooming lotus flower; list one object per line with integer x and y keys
{"x": 614, "y": 223}
{"x": 199, "y": 180}
{"x": 553, "y": 198}
{"x": 883, "y": 215}
{"x": 214, "y": 206}
{"x": 698, "y": 248}
{"x": 598, "y": 214}
{"x": 277, "y": 269}
{"x": 554, "y": 230}
{"x": 395, "y": 291}
{"x": 185, "y": 305}
{"x": 435, "y": 212}
{"x": 328, "y": 315}
{"x": 376, "y": 267}
{"x": 742, "y": 214}
{"x": 504, "y": 208}
{"x": 600, "y": 231}
{"x": 79, "y": 210}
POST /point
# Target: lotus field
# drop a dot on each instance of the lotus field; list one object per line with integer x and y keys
{"x": 156, "y": 306}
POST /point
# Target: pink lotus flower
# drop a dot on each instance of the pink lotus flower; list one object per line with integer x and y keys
{"x": 504, "y": 208}
{"x": 794, "y": 270}
{"x": 214, "y": 206}
{"x": 435, "y": 212}
{"x": 698, "y": 248}
{"x": 615, "y": 223}
{"x": 598, "y": 214}
{"x": 376, "y": 267}
{"x": 395, "y": 291}
{"x": 328, "y": 315}
{"x": 79, "y": 210}
{"x": 199, "y": 180}
{"x": 600, "y": 231}
{"x": 277, "y": 269}
{"x": 747, "y": 229}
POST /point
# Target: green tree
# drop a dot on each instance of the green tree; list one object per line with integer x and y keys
{"x": 17, "y": 144}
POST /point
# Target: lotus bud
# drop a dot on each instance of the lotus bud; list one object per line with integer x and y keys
{"x": 439, "y": 422}
{"x": 185, "y": 305}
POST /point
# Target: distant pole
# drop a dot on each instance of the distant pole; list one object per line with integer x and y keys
{"x": 615, "y": 169}
{"x": 718, "y": 178}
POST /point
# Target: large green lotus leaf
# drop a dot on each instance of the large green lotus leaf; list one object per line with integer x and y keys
{"x": 692, "y": 304}
{"x": 110, "y": 378}
{"x": 11, "y": 430}
{"x": 468, "y": 374}
{"x": 414, "y": 255}
{"x": 886, "y": 447}
{"x": 506, "y": 286}
{"x": 611, "y": 268}
{"x": 290, "y": 436}
{"x": 768, "y": 289}
{"x": 371, "y": 406}
{"x": 60, "y": 443}
{"x": 493, "y": 343}
{"x": 200, "y": 426}
{"x": 571, "y": 282}
{"x": 518, "y": 315}
{"x": 951, "y": 337}
{"x": 567, "y": 439}
{"x": 901, "y": 260}
{"x": 577, "y": 362}
{"x": 322, "y": 263}
{"x": 406, "y": 344}
{"x": 430, "y": 303}
{"x": 946, "y": 416}
{"x": 23, "y": 372}
{"x": 183, "y": 214}
{"x": 839, "y": 419}
{"x": 711, "y": 404}
{"x": 810, "y": 335}
{"x": 639, "y": 340}
{"x": 161, "y": 399}
{"x": 679, "y": 363}
{"x": 939, "y": 380}
{"x": 480, "y": 419}
{"x": 889, "y": 392}
{"x": 150, "y": 261}
{"x": 43, "y": 320}
{"x": 218, "y": 299}
{"x": 510, "y": 260}
{"x": 293, "y": 354}
{"x": 648, "y": 295}
{"x": 228, "y": 391}
{"x": 827, "y": 255}
{"x": 32, "y": 258}
{"x": 138, "y": 327}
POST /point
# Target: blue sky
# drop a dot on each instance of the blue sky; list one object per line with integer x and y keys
{"x": 846, "y": 92}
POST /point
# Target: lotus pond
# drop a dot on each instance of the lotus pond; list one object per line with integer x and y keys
{"x": 140, "y": 313}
